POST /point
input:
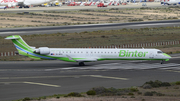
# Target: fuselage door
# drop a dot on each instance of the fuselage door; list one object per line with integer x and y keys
{"x": 151, "y": 55}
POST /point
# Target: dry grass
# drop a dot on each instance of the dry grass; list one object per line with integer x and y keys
{"x": 98, "y": 38}
{"x": 171, "y": 94}
{"x": 115, "y": 98}
{"x": 60, "y": 18}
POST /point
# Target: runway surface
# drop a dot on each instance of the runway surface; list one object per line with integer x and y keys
{"x": 19, "y": 79}
{"x": 90, "y": 27}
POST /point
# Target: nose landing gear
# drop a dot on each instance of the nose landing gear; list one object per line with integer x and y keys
{"x": 162, "y": 62}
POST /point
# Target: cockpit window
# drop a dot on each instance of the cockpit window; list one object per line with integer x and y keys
{"x": 159, "y": 52}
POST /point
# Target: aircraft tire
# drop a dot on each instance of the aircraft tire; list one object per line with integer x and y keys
{"x": 26, "y": 6}
{"x": 162, "y": 62}
{"x": 81, "y": 64}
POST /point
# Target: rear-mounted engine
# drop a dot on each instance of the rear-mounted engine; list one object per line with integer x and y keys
{"x": 42, "y": 50}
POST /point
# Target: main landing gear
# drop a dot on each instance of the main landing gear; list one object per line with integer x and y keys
{"x": 24, "y": 6}
{"x": 81, "y": 64}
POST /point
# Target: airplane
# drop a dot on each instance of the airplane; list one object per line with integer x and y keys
{"x": 83, "y": 3}
{"x": 170, "y": 2}
{"x": 173, "y": 2}
{"x": 22, "y": 3}
{"x": 82, "y": 55}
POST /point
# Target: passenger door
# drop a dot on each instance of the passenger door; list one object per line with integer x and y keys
{"x": 151, "y": 55}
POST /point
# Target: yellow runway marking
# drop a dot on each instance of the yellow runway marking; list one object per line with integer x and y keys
{"x": 108, "y": 77}
{"x": 72, "y": 76}
{"x": 173, "y": 71}
{"x": 10, "y": 82}
{"x": 175, "y": 57}
{"x": 35, "y": 83}
{"x": 43, "y": 84}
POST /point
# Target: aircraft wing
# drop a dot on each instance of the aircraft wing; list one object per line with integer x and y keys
{"x": 86, "y": 60}
{"x": 82, "y": 60}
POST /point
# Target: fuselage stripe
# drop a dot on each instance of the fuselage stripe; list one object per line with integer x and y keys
{"x": 33, "y": 54}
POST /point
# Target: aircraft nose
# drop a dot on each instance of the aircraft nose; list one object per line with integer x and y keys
{"x": 167, "y": 56}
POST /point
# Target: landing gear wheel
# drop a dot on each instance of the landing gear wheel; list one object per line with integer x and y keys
{"x": 81, "y": 64}
{"x": 26, "y": 6}
{"x": 162, "y": 61}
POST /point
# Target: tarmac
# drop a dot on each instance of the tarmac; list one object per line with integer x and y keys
{"x": 20, "y": 79}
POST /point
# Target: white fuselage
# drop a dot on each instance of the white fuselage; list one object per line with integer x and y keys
{"x": 169, "y": 2}
{"x": 82, "y": 55}
{"x": 98, "y": 54}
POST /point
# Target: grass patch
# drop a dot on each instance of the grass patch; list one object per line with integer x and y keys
{"x": 124, "y": 93}
{"x": 93, "y": 16}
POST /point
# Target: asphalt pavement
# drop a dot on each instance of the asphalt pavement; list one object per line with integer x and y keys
{"x": 20, "y": 79}
{"x": 90, "y": 27}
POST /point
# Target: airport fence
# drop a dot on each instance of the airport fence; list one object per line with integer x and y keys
{"x": 8, "y": 53}
{"x": 155, "y": 44}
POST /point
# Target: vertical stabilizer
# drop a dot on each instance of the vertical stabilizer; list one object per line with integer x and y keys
{"x": 22, "y": 47}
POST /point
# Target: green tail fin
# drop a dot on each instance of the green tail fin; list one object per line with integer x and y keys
{"x": 22, "y": 47}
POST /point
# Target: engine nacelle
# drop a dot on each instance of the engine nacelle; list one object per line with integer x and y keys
{"x": 42, "y": 50}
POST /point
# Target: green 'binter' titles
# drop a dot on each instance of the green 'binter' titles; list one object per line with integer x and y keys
{"x": 124, "y": 53}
